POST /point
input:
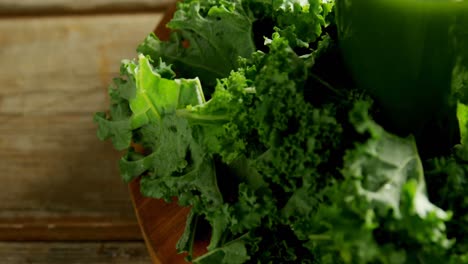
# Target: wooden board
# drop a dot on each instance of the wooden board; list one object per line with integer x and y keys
{"x": 74, "y": 253}
{"x": 162, "y": 225}
{"x": 73, "y": 7}
{"x": 54, "y": 171}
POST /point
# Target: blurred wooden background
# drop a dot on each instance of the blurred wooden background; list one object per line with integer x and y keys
{"x": 61, "y": 198}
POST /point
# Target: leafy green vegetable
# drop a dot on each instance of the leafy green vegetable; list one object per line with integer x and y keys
{"x": 207, "y": 39}
{"x": 462, "y": 114}
{"x": 249, "y": 116}
{"x": 231, "y": 253}
{"x": 384, "y": 187}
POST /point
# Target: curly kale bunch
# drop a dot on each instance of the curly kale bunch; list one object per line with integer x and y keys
{"x": 249, "y": 116}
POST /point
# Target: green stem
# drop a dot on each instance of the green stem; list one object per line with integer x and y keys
{"x": 250, "y": 90}
{"x": 326, "y": 84}
{"x": 320, "y": 237}
{"x": 199, "y": 118}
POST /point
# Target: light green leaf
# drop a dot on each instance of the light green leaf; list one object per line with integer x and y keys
{"x": 462, "y": 115}
{"x": 156, "y": 96}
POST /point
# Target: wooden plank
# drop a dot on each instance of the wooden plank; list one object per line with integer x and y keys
{"x": 55, "y": 73}
{"x": 64, "y": 64}
{"x": 69, "y": 228}
{"x": 74, "y": 253}
{"x": 66, "y": 7}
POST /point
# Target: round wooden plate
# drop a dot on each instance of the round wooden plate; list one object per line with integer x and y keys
{"x": 161, "y": 223}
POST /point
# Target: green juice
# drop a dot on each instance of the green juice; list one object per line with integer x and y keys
{"x": 409, "y": 54}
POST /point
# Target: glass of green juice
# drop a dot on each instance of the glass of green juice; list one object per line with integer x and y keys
{"x": 411, "y": 55}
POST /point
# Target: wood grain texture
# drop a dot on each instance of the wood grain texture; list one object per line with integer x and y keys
{"x": 162, "y": 224}
{"x": 69, "y": 228}
{"x": 67, "y": 7}
{"x": 74, "y": 253}
{"x": 54, "y": 76}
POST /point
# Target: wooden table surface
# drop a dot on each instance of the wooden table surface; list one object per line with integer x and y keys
{"x": 61, "y": 198}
